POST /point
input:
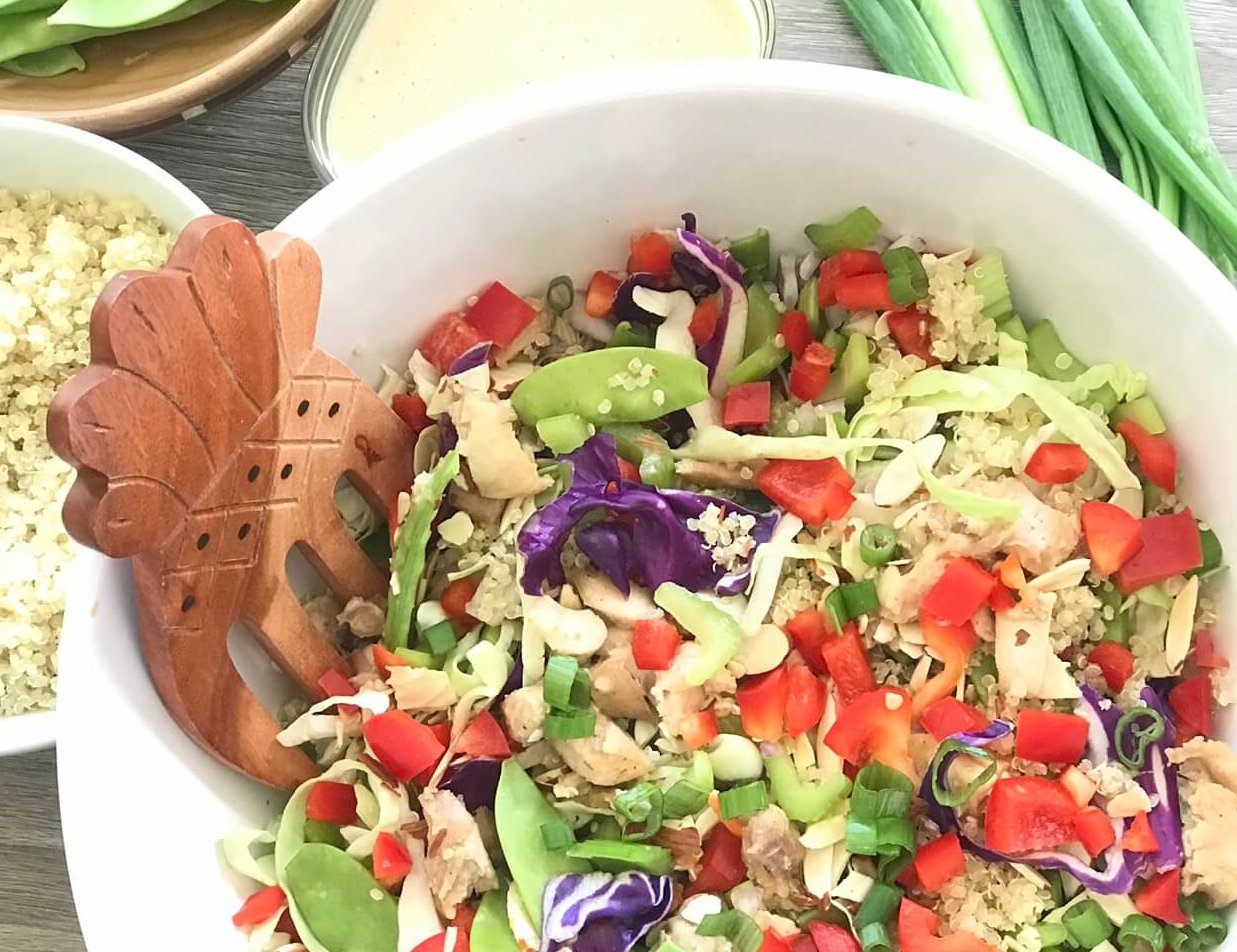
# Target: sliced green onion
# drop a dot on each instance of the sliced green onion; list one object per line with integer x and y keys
{"x": 1051, "y": 934}
{"x": 565, "y": 433}
{"x": 560, "y": 677}
{"x": 557, "y": 836}
{"x": 738, "y": 927}
{"x": 627, "y": 334}
{"x": 1116, "y": 628}
{"x": 743, "y": 800}
{"x": 1087, "y": 924}
{"x": 1054, "y": 60}
{"x": 1213, "y": 552}
{"x": 875, "y": 913}
{"x": 1137, "y": 730}
{"x": 962, "y": 34}
{"x": 752, "y": 252}
{"x": 877, "y": 544}
{"x": 878, "y": 822}
{"x": 1139, "y": 933}
{"x": 856, "y": 229}
{"x": 416, "y": 659}
{"x": 835, "y": 606}
{"x": 809, "y": 304}
{"x": 569, "y": 725}
{"x": 1208, "y": 925}
{"x": 644, "y": 804}
{"x": 908, "y": 281}
{"x": 987, "y": 278}
{"x": 682, "y": 799}
{"x": 616, "y": 856}
{"x": 1011, "y": 41}
{"x": 955, "y": 798}
{"x": 860, "y": 597}
{"x": 560, "y": 294}
{"x": 439, "y": 639}
{"x": 924, "y": 56}
{"x": 803, "y": 800}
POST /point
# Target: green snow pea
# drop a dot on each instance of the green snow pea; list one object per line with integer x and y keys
{"x": 491, "y": 929}
{"x": 715, "y": 629}
{"x": 114, "y": 14}
{"x": 25, "y": 6}
{"x": 319, "y": 831}
{"x": 758, "y": 365}
{"x": 520, "y": 810}
{"x": 752, "y": 253}
{"x": 408, "y": 558}
{"x": 1143, "y": 411}
{"x": 564, "y": 433}
{"x": 1048, "y": 354}
{"x": 657, "y": 469}
{"x": 763, "y": 319}
{"x": 627, "y": 334}
{"x": 804, "y": 800}
{"x": 339, "y": 902}
{"x": 809, "y": 304}
{"x": 29, "y": 31}
{"x": 613, "y": 856}
{"x": 588, "y": 384}
{"x": 54, "y": 62}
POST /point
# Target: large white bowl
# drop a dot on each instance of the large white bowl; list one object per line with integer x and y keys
{"x": 553, "y": 181}
{"x": 35, "y": 154}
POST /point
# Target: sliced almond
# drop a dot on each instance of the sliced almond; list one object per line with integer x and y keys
{"x": 1181, "y": 624}
{"x": 1066, "y": 575}
{"x": 901, "y": 479}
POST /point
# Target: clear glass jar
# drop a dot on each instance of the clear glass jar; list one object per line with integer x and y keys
{"x": 341, "y": 38}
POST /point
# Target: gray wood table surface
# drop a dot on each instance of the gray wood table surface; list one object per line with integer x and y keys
{"x": 249, "y": 160}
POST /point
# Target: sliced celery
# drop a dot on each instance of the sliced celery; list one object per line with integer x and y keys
{"x": 1014, "y": 327}
{"x": 854, "y": 368}
{"x": 857, "y": 229}
{"x": 758, "y": 365}
{"x": 1143, "y": 411}
{"x": 763, "y": 319}
{"x": 1048, "y": 354}
{"x": 809, "y": 304}
{"x": 987, "y": 277}
{"x": 805, "y": 801}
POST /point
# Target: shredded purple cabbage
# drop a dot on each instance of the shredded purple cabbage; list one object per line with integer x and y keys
{"x": 475, "y": 782}
{"x": 448, "y": 436}
{"x": 471, "y": 359}
{"x": 697, "y": 278}
{"x": 599, "y": 912}
{"x": 625, "y": 307}
{"x": 647, "y": 539}
{"x": 723, "y": 352}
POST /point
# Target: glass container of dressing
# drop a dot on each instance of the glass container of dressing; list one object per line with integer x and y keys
{"x": 387, "y": 67}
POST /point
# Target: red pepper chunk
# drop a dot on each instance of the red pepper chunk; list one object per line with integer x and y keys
{"x": 828, "y": 937}
{"x": 774, "y": 943}
{"x": 1206, "y": 655}
{"x": 500, "y": 315}
{"x": 391, "y": 861}
{"x": 874, "y": 727}
{"x": 1139, "y": 837}
{"x": 721, "y": 865}
{"x": 403, "y": 745}
{"x": 845, "y": 264}
{"x": 1028, "y": 813}
{"x": 1116, "y": 663}
{"x": 948, "y": 716}
{"x": 808, "y": 632}
{"x": 1160, "y": 898}
{"x": 599, "y": 299}
{"x": 650, "y": 253}
{"x": 864, "y": 292}
{"x": 331, "y": 802}
{"x": 1191, "y": 701}
{"x": 411, "y": 409}
{"x": 447, "y": 340}
{"x": 484, "y": 737}
{"x": 455, "y": 599}
{"x": 762, "y": 704}
{"x": 805, "y": 704}
{"x": 1112, "y": 535}
{"x": 911, "y": 330}
{"x": 1047, "y": 737}
{"x": 918, "y": 928}
{"x": 959, "y": 593}
{"x": 847, "y": 663}
{"x": 699, "y": 730}
{"x": 1171, "y": 546}
{"x": 335, "y": 683}
{"x": 748, "y": 405}
{"x": 795, "y": 332}
{"x": 704, "y": 320}
{"x": 810, "y": 372}
{"x": 654, "y": 643}
{"x": 1156, "y": 454}
{"x": 260, "y": 907}
{"x": 813, "y": 490}
{"x": 439, "y": 943}
{"x": 939, "y": 861}
{"x": 1057, "y": 463}
{"x": 1094, "y": 829}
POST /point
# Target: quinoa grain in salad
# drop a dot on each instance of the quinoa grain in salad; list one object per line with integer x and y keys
{"x": 807, "y": 602}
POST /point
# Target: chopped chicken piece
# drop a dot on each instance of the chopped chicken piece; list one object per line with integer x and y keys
{"x": 1041, "y": 537}
{"x": 608, "y": 758}
{"x": 482, "y": 511}
{"x": 499, "y": 465}
{"x": 455, "y": 861}
{"x": 773, "y": 853}
{"x": 366, "y": 619}
{"x": 524, "y": 710}
{"x": 600, "y": 594}
{"x": 620, "y": 689}
{"x": 677, "y": 701}
{"x": 1209, "y": 791}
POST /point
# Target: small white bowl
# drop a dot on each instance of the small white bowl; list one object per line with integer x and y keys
{"x": 36, "y": 154}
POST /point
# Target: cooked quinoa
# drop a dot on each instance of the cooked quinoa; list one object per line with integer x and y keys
{"x": 55, "y": 256}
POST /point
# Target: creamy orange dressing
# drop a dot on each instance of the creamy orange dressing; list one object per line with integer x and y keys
{"x": 417, "y": 60}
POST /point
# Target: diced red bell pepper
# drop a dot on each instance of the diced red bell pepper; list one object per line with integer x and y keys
{"x": 911, "y": 330}
{"x": 848, "y": 665}
{"x": 959, "y": 593}
{"x": 721, "y": 864}
{"x": 1160, "y": 898}
{"x": 260, "y": 907}
{"x": 385, "y": 659}
{"x": 1028, "y": 813}
{"x": 410, "y": 408}
{"x": 774, "y": 943}
{"x": 440, "y": 943}
{"x": 629, "y": 470}
{"x": 1112, "y": 535}
{"x": 795, "y": 332}
{"x": 699, "y": 730}
{"x": 1139, "y": 837}
{"x": 464, "y": 916}
{"x": 802, "y": 943}
{"x": 865, "y": 292}
{"x": 402, "y": 744}
{"x": 809, "y": 374}
{"x": 441, "y": 731}
{"x": 335, "y": 683}
{"x": 1001, "y": 599}
{"x": 1048, "y": 737}
{"x": 391, "y": 861}
{"x": 805, "y": 700}
{"x": 331, "y": 802}
{"x": 874, "y": 727}
{"x": 1206, "y": 655}
{"x": 1081, "y": 787}
{"x": 654, "y": 643}
{"x": 1094, "y": 830}
{"x": 455, "y": 599}
{"x": 828, "y": 937}
{"x": 1057, "y": 463}
{"x": 953, "y": 644}
{"x": 918, "y": 928}
{"x": 845, "y": 264}
{"x": 484, "y": 737}
{"x": 762, "y": 704}
{"x": 1191, "y": 701}
{"x": 747, "y": 405}
{"x": 599, "y": 300}
{"x": 939, "y": 861}
{"x": 1157, "y": 457}
{"x": 704, "y": 320}
{"x": 651, "y": 253}
{"x": 1116, "y": 663}
{"x": 447, "y": 340}
{"x": 808, "y": 631}
{"x": 802, "y": 487}
{"x": 1171, "y": 546}
{"x": 948, "y": 716}
{"x": 500, "y": 315}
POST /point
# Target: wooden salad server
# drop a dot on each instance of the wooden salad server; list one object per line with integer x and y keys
{"x": 208, "y": 434}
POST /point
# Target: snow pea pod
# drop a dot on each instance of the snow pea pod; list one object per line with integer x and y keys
{"x": 491, "y": 929}
{"x": 25, "y": 6}
{"x": 30, "y": 32}
{"x": 337, "y": 905}
{"x": 613, "y": 385}
{"x": 114, "y": 14}
{"x": 54, "y": 62}
{"x": 520, "y": 810}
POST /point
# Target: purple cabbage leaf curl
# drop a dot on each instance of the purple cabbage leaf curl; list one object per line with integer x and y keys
{"x": 631, "y": 531}
{"x": 722, "y": 353}
{"x": 1117, "y": 873}
{"x": 600, "y": 912}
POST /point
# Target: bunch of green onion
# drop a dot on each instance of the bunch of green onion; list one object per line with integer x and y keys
{"x": 1080, "y": 70}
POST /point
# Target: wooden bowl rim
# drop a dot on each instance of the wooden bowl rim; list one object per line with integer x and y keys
{"x": 289, "y": 36}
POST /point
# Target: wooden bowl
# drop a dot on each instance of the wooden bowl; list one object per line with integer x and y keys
{"x": 137, "y": 82}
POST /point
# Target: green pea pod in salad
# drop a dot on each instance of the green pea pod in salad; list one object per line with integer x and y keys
{"x": 337, "y": 904}
{"x": 491, "y": 929}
